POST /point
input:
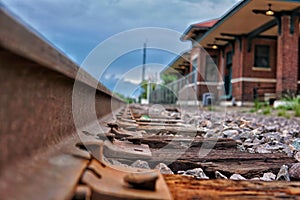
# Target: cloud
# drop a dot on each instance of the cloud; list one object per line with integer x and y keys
{"x": 112, "y": 76}
{"x": 76, "y": 27}
{"x": 133, "y": 81}
{"x": 128, "y": 89}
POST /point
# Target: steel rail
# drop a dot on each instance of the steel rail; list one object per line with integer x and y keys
{"x": 36, "y": 120}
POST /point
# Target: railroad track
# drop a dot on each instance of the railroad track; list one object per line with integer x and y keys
{"x": 44, "y": 155}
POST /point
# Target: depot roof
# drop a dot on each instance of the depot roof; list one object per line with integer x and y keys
{"x": 241, "y": 20}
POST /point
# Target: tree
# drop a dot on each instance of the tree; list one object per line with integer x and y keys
{"x": 144, "y": 86}
{"x": 128, "y": 100}
{"x": 169, "y": 78}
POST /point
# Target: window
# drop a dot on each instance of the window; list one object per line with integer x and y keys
{"x": 211, "y": 70}
{"x": 262, "y": 56}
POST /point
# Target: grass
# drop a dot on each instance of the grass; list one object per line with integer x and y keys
{"x": 283, "y": 113}
{"x": 253, "y": 110}
{"x": 264, "y": 107}
{"x": 267, "y": 110}
{"x": 292, "y": 103}
{"x": 297, "y": 109}
{"x": 211, "y": 108}
{"x": 257, "y": 106}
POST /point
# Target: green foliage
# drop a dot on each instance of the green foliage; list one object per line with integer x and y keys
{"x": 211, "y": 108}
{"x": 261, "y": 106}
{"x": 290, "y": 103}
{"x": 168, "y": 79}
{"x": 257, "y": 104}
{"x": 297, "y": 108}
{"x": 281, "y": 107}
{"x": 283, "y": 113}
{"x": 288, "y": 98}
{"x": 144, "y": 86}
{"x": 253, "y": 110}
{"x": 128, "y": 100}
{"x": 267, "y": 110}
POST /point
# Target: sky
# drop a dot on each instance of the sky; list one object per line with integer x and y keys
{"x": 91, "y": 31}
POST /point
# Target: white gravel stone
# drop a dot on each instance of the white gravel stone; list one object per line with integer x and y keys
{"x": 140, "y": 164}
{"x": 117, "y": 163}
{"x": 262, "y": 150}
{"x": 237, "y": 177}
{"x": 163, "y": 168}
{"x": 197, "y": 173}
{"x": 230, "y": 133}
{"x": 268, "y": 177}
{"x": 283, "y": 173}
{"x": 218, "y": 175}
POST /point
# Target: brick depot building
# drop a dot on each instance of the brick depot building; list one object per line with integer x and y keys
{"x": 255, "y": 47}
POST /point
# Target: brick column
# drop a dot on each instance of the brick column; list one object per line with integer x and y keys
{"x": 287, "y": 56}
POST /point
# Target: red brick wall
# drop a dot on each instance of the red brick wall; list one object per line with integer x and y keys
{"x": 237, "y": 70}
{"x": 248, "y": 63}
{"x": 262, "y": 88}
{"x": 243, "y": 66}
{"x": 287, "y": 67}
{"x": 284, "y": 63}
{"x": 250, "y": 71}
{"x": 298, "y": 65}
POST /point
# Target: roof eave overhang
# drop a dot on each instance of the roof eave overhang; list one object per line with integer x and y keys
{"x": 187, "y": 35}
{"x": 224, "y": 18}
{"x": 241, "y": 20}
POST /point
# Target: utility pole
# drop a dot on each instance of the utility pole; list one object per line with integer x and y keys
{"x": 144, "y": 61}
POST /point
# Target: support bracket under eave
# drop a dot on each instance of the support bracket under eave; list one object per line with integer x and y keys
{"x": 249, "y": 44}
{"x": 262, "y": 29}
{"x": 240, "y": 42}
{"x": 233, "y": 46}
{"x": 278, "y": 21}
{"x": 292, "y": 22}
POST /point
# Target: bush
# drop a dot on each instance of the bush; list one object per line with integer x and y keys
{"x": 297, "y": 110}
{"x": 263, "y": 106}
{"x": 267, "y": 110}
{"x": 292, "y": 103}
{"x": 257, "y": 104}
{"x": 211, "y": 108}
{"x": 283, "y": 113}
